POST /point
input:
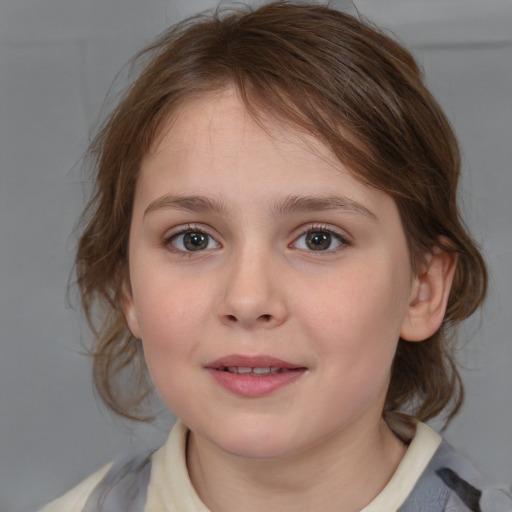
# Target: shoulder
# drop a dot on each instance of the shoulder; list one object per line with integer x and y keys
{"x": 76, "y": 498}
{"x": 451, "y": 483}
{"x": 123, "y": 486}
{"x": 434, "y": 477}
{"x": 116, "y": 487}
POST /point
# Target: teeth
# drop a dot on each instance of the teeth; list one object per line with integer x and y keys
{"x": 245, "y": 370}
{"x": 261, "y": 371}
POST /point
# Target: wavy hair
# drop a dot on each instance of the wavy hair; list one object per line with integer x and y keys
{"x": 331, "y": 75}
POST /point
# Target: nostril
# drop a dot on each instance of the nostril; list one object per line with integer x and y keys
{"x": 231, "y": 318}
{"x": 265, "y": 318}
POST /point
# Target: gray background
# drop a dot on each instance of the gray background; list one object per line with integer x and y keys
{"x": 57, "y": 60}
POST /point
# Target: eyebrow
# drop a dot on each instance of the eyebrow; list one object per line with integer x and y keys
{"x": 194, "y": 204}
{"x": 287, "y": 206}
{"x": 299, "y": 204}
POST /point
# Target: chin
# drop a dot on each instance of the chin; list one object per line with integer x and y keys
{"x": 256, "y": 442}
{"x": 264, "y": 450}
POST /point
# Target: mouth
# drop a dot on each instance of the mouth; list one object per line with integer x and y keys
{"x": 255, "y": 366}
{"x": 254, "y": 371}
{"x": 250, "y": 376}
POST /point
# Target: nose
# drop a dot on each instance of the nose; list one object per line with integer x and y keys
{"x": 254, "y": 294}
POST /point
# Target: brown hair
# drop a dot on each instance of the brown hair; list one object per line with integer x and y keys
{"x": 333, "y": 76}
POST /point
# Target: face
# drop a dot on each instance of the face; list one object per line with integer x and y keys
{"x": 269, "y": 287}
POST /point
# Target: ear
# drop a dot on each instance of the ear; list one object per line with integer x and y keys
{"x": 429, "y": 295}
{"x": 129, "y": 310}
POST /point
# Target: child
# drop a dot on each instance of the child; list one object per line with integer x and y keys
{"x": 275, "y": 234}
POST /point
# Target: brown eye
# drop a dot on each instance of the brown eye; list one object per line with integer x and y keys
{"x": 195, "y": 241}
{"x": 319, "y": 240}
{"x": 192, "y": 241}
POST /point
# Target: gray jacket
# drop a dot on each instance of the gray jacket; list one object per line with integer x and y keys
{"x": 448, "y": 484}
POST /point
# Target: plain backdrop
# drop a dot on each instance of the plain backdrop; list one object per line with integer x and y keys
{"x": 57, "y": 61}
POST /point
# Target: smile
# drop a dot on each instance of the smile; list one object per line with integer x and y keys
{"x": 252, "y": 371}
{"x": 254, "y": 376}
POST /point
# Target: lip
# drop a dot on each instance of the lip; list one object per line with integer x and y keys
{"x": 250, "y": 385}
{"x": 261, "y": 361}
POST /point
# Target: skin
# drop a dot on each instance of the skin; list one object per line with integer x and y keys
{"x": 258, "y": 288}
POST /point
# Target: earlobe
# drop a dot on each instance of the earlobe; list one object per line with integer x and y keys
{"x": 429, "y": 296}
{"x": 129, "y": 311}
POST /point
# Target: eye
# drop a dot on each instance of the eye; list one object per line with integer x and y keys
{"x": 319, "y": 240}
{"x": 192, "y": 240}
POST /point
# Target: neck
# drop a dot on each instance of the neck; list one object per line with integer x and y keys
{"x": 344, "y": 473}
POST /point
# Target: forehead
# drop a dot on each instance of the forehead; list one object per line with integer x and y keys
{"x": 221, "y": 121}
{"x": 212, "y": 145}
{"x": 217, "y": 126}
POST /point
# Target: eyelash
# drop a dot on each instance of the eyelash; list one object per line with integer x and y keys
{"x": 168, "y": 241}
{"x": 324, "y": 229}
{"x": 310, "y": 229}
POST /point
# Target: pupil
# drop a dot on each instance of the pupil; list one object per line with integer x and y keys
{"x": 318, "y": 241}
{"x": 195, "y": 241}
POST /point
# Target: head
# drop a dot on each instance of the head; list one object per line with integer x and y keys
{"x": 328, "y": 76}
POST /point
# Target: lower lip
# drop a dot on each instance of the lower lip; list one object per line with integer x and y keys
{"x": 252, "y": 386}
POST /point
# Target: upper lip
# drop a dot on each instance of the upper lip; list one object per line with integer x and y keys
{"x": 262, "y": 361}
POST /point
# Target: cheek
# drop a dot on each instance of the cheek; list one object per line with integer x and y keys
{"x": 167, "y": 322}
{"x": 360, "y": 300}
{"x": 170, "y": 332}
{"x": 357, "y": 319}
{"x": 163, "y": 294}
{"x": 171, "y": 316}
